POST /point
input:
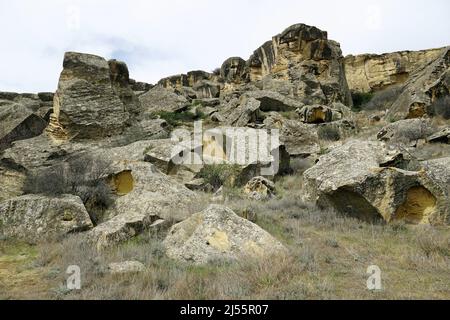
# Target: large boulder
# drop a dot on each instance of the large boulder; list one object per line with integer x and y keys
{"x": 234, "y": 70}
{"x": 300, "y": 139}
{"x": 160, "y": 99}
{"x": 217, "y": 233}
{"x": 361, "y": 179}
{"x": 86, "y": 104}
{"x": 408, "y": 131}
{"x": 143, "y": 196}
{"x": 36, "y": 218}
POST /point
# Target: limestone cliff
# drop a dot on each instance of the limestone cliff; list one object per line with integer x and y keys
{"x": 372, "y": 72}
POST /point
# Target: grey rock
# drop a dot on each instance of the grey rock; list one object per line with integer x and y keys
{"x": 126, "y": 267}
{"x": 359, "y": 179}
{"x": 37, "y": 218}
{"x": 217, "y": 233}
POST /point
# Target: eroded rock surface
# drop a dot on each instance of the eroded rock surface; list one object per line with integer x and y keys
{"x": 217, "y": 233}
{"x": 36, "y": 218}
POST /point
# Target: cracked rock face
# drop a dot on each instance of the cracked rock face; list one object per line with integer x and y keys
{"x": 359, "y": 179}
{"x": 217, "y": 233}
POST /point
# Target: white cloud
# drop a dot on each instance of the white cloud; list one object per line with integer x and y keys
{"x": 160, "y": 38}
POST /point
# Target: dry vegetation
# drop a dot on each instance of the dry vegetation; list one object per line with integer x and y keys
{"x": 329, "y": 256}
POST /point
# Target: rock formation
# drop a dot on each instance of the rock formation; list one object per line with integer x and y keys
{"x": 36, "y": 218}
{"x": 373, "y": 72}
{"x": 86, "y": 104}
{"x": 362, "y": 179}
{"x": 217, "y": 233}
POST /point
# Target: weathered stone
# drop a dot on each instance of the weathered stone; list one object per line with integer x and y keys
{"x": 217, "y": 233}
{"x": 406, "y": 131}
{"x": 301, "y": 140}
{"x": 36, "y": 218}
{"x": 311, "y": 64}
{"x": 161, "y": 99}
{"x": 426, "y": 85}
{"x": 12, "y": 182}
{"x": 120, "y": 80}
{"x": 360, "y": 180}
{"x": 316, "y": 114}
{"x": 18, "y": 123}
{"x": 259, "y": 188}
{"x": 144, "y": 197}
{"x": 126, "y": 267}
{"x": 85, "y": 104}
{"x": 373, "y": 72}
{"x": 234, "y": 70}
{"x": 274, "y": 101}
{"x": 442, "y": 136}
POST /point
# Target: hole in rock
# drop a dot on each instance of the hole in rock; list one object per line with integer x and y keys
{"x": 123, "y": 183}
{"x": 354, "y": 205}
{"x": 419, "y": 205}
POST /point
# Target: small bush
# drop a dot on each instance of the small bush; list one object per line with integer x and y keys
{"x": 360, "y": 99}
{"x": 329, "y": 133}
{"x": 383, "y": 99}
{"x": 83, "y": 177}
{"x": 178, "y": 118}
{"x": 441, "y": 107}
{"x": 218, "y": 175}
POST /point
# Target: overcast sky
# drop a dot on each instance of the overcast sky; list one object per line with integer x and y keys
{"x": 158, "y": 38}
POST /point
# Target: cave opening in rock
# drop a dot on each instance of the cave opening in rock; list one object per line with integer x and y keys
{"x": 123, "y": 183}
{"x": 352, "y": 204}
{"x": 419, "y": 205}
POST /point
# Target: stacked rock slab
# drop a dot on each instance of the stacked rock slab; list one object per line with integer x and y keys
{"x": 86, "y": 104}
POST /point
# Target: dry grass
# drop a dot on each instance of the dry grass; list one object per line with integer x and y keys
{"x": 329, "y": 256}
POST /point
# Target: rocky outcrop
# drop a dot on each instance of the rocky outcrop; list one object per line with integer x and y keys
{"x": 36, "y": 218}
{"x": 425, "y": 86}
{"x": 302, "y": 61}
{"x": 217, "y": 233}
{"x": 373, "y": 72}
{"x": 87, "y": 103}
{"x": 361, "y": 179}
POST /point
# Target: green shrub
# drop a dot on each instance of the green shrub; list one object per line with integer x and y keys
{"x": 83, "y": 176}
{"x": 383, "y": 99}
{"x": 329, "y": 133}
{"x": 441, "y": 107}
{"x": 360, "y": 99}
{"x": 178, "y": 118}
{"x": 218, "y": 175}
